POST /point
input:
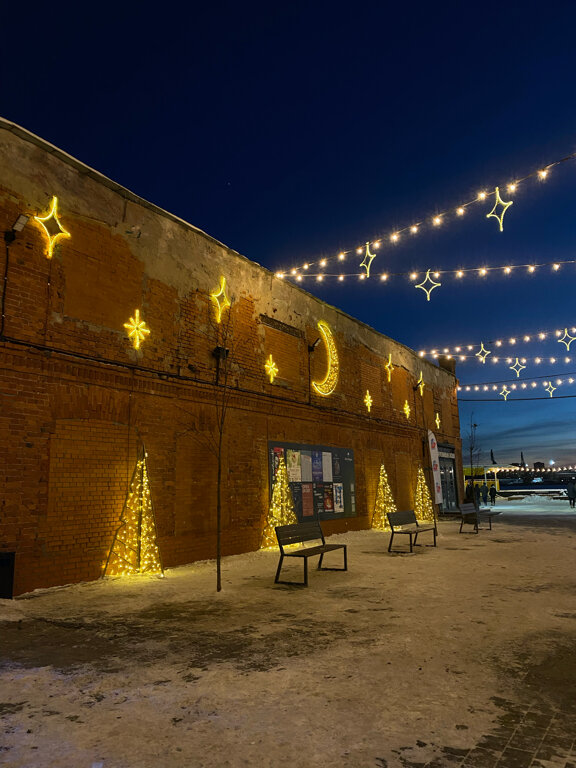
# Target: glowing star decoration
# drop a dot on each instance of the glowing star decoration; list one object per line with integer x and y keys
{"x": 550, "y": 389}
{"x": 421, "y": 384}
{"x": 329, "y": 382}
{"x": 428, "y": 285}
{"x": 505, "y": 207}
{"x": 137, "y": 329}
{"x": 368, "y": 401}
{"x": 483, "y": 354}
{"x": 406, "y": 409}
{"x": 52, "y": 227}
{"x": 567, "y": 339}
{"x": 505, "y": 392}
{"x": 517, "y": 367}
{"x": 368, "y": 258}
{"x": 437, "y": 421}
{"x": 221, "y": 300}
{"x": 389, "y": 367}
{"x": 134, "y": 548}
{"x": 271, "y": 369}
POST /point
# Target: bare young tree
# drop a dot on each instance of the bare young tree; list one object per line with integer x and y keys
{"x": 474, "y": 453}
{"x": 211, "y": 435}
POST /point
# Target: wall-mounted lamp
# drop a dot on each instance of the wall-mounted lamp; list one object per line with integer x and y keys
{"x": 220, "y": 353}
{"x": 312, "y": 347}
{"x": 18, "y": 226}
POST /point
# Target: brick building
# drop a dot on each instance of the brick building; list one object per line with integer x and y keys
{"x": 77, "y": 397}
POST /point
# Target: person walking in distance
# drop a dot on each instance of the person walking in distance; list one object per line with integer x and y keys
{"x": 571, "y": 491}
{"x": 484, "y": 492}
{"x": 493, "y": 494}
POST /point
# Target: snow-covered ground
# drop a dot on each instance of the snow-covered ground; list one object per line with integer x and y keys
{"x": 402, "y": 660}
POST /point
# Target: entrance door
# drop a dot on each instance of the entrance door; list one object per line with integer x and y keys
{"x": 447, "y": 477}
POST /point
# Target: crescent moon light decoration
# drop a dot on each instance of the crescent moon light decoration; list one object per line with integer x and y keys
{"x": 328, "y": 384}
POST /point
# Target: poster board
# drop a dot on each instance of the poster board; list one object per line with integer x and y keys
{"x": 321, "y": 479}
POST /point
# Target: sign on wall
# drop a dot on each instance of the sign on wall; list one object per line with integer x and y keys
{"x": 321, "y": 479}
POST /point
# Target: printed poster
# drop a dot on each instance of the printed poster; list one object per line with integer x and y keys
{"x": 338, "y": 492}
{"x": 318, "y": 493}
{"x": 306, "y": 465}
{"x": 293, "y": 466}
{"x": 328, "y": 498}
{"x": 307, "y": 500}
{"x": 326, "y": 467}
{"x": 296, "y": 490}
{"x": 336, "y": 468}
{"x": 317, "y": 475}
{"x": 278, "y": 454}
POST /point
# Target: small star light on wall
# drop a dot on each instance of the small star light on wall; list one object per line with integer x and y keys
{"x": 550, "y": 389}
{"x": 271, "y": 369}
{"x": 567, "y": 339}
{"x": 437, "y": 421}
{"x": 368, "y": 401}
{"x": 505, "y": 392}
{"x": 499, "y": 217}
{"x": 389, "y": 367}
{"x": 483, "y": 354}
{"x": 517, "y": 367}
{"x": 137, "y": 329}
{"x": 220, "y": 299}
{"x": 406, "y": 409}
{"x": 421, "y": 384}
{"x": 428, "y": 285}
{"x": 52, "y": 227}
{"x": 368, "y": 259}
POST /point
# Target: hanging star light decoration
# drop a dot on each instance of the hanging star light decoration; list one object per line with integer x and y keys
{"x": 52, "y": 227}
{"x": 220, "y": 299}
{"x": 550, "y": 389}
{"x": 421, "y": 384}
{"x": 389, "y": 367}
{"x": 504, "y": 205}
{"x": 428, "y": 285}
{"x": 406, "y": 409}
{"x": 483, "y": 354}
{"x": 567, "y": 339}
{"x": 517, "y": 367}
{"x": 368, "y": 401}
{"x": 136, "y": 329}
{"x": 437, "y": 420}
{"x": 505, "y": 392}
{"x": 271, "y": 369}
{"x": 368, "y": 259}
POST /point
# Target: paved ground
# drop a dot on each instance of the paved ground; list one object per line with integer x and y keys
{"x": 464, "y": 655}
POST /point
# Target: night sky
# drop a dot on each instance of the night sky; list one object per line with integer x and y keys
{"x": 292, "y": 131}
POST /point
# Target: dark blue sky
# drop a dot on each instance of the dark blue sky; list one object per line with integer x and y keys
{"x": 291, "y": 131}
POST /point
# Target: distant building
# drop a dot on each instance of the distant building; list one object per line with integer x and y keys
{"x": 539, "y": 465}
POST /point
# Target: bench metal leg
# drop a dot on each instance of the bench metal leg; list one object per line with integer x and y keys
{"x": 415, "y": 537}
{"x": 345, "y": 568}
{"x": 305, "y": 571}
{"x": 391, "y": 540}
{"x": 279, "y": 569}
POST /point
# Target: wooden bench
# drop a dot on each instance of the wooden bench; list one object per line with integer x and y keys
{"x": 405, "y": 522}
{"x": 472, "y": 516}
{"x": 299, "y": 533}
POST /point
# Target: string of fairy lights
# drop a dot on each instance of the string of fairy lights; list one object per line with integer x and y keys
{"x": 439, "y": 219}
{"x": 562, "y": 336}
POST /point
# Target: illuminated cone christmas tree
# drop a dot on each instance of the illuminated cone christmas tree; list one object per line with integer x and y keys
{"x": 134, "y": 549}
{"x": 423, "y": 507}
{"x": 384, "y": 502}
{"x": 281, "y": 510}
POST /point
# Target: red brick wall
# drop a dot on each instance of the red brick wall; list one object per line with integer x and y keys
{"x": 77, "y": 398}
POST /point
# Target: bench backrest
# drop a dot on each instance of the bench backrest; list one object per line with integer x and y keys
{"x": 397, "y": 519}
{"x": 298, "y": 533}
